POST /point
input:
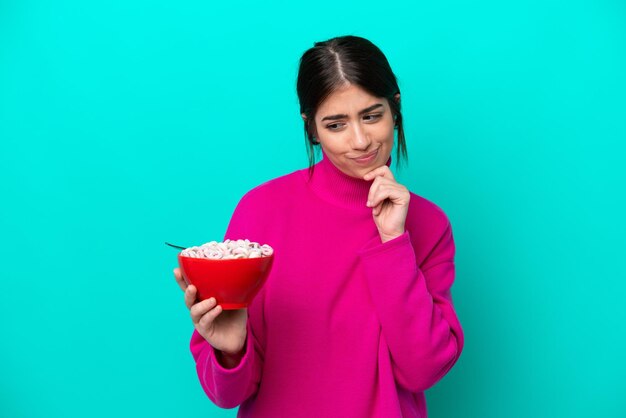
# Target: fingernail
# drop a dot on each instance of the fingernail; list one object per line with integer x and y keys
{"x": 369, "y": 203}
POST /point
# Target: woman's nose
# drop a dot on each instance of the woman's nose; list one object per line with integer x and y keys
{"x": 360, "y": 139}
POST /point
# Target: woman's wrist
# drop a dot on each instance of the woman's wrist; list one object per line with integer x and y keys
{"x": 384, "y": 237}
{"x": 229, "y": 360}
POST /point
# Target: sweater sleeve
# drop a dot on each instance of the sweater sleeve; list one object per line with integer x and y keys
{"x": 228, "y": 388}
{"x": 414, "y": 306}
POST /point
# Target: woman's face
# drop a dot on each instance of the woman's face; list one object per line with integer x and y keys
{"x": 352, "y": 124}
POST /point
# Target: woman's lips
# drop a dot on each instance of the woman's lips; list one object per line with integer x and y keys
{"x": 367, "y": 159}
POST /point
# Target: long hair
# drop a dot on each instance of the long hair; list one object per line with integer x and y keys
{"x": 329, "y": 65}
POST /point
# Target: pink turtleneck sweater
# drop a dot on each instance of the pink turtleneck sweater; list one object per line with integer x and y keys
{"x": 345, "y": 326}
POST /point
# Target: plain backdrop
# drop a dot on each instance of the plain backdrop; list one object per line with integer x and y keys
{"x": 124, "y": 124}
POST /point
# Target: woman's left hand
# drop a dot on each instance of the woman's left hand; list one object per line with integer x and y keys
{"x": 390, "y": 203}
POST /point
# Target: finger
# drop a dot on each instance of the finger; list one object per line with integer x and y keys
{"x": 180, "y": 279}
{"x": 201, "y": 308}
{"x": 373, "y": 191}
{"x": 190, "y": 296}
{"x": 381, "y": 206}
{"x": 376, "y": 211}
{"x": 208, "y": 318}
{"x": 380, "y": 190}
{"x": 395, "y": 193}
{"x": 383, "y": 171}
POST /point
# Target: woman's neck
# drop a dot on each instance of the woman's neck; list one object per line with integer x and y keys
{"x": 337, "y": 187}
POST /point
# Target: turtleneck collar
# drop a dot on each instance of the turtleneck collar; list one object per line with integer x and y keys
{"x": 336, "y": 187}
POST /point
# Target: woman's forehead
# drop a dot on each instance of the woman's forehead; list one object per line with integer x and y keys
{"x": 349, "y": 96}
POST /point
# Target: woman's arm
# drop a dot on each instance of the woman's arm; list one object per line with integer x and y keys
{"x": 227, "y": 385}
{"x": 229, "y": 379}
{"x": 414, "y": 306}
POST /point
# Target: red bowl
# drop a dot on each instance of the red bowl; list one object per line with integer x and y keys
{"x": 232, "y": 282}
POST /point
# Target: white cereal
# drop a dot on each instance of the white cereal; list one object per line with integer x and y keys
{"x": 229, "y": 249}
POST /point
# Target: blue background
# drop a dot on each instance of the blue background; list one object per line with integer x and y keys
{"x": 124, "y": 124}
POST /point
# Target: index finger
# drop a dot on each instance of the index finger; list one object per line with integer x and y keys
{"x": 182, "y": 283}
{"x": 383, "y": 171}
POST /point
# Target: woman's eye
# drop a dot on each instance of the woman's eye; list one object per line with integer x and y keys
{"x": 337, "y": 126}
{"x": 374, "y": 117}
{"x": 333, "y": 126}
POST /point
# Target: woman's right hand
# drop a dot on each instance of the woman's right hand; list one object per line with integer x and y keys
{"x": 224, "y": 330}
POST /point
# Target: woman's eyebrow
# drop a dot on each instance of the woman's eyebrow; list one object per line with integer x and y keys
{"x": 342, "y": 116}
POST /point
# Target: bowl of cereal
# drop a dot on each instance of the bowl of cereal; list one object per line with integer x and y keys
{"x": 232, "y": 271}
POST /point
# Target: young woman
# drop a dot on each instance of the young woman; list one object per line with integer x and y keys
{"x": 356, "y": 318}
